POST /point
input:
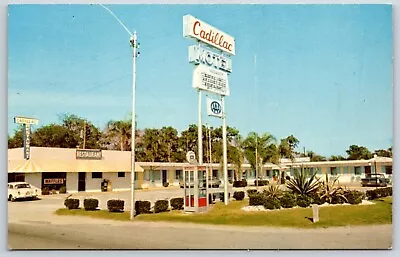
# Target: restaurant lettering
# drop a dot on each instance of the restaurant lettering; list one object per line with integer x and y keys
{"x": 88, "y": 154}
{"x": 53, "y": 181}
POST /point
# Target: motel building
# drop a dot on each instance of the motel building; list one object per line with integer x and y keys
{"x": 85, "y": 170}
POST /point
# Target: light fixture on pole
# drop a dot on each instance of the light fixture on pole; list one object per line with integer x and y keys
{"x": 135, "y": 46}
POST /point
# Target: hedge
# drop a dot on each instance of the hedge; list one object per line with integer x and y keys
{"x": 142, "y": 207}
{"x": 303, "y": 200}
{"x": 261, "y": 182}
{"x": 239, "y": 195}
{"x": 161, "y": 206}
{"x": 256, "y": 199}
{"x": 379, "y": 193}
{"x": 316, "y": 199}
{"x": 177, "y": 203}
{"x": 251, "y": 191}
{"x": 271, "y": 203}
{"x": 288, "y": 200}
{"x": 222, "y": 196}
{"x": 115, "y": 205}
{"x": 63, "y": 190}
{"x": 71, "y": 203}
{"x": 240, "y": 183}
{"x": 90, "y": 204}
{"x": 354, "y": 196}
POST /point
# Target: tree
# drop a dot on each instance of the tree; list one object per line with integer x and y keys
{"x": 169, "y": 145}
{"x": 315, "y": 157}
{"x": 119, "y": 133}
{"x": 337, "y": 158}
{"x": 287, "y": 146}
{"x": 263, "y": 145}
{"x": 18, "y": 139}
{"x": 384, "y": 153}
{"x": 51, "y": 135}
{"x": 356, "y": 152}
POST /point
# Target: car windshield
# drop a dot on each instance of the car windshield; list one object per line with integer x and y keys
{"x": 23, "y": 186}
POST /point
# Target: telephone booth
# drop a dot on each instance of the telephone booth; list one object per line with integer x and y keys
{"x": 195, "y": 188}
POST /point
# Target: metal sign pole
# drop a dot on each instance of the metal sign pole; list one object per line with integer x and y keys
{"x": 200, "y": 132}
{"x": 226, "y": 198}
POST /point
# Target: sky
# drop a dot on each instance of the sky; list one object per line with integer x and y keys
{"x": 322, "y": 72}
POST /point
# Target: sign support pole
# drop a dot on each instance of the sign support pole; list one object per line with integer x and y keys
{"x": 226, "y": 198}
{"x": 200, "y": 132}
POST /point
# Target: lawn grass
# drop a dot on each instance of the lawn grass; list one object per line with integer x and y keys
{"x": 219, "y": 214}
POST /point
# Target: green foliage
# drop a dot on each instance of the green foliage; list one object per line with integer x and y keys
{"x": 261, "y": 182}
{"x": 115, "y": 205}
{"x": 45, "y": 191}
{"x": 303, "y": 200}
{"x": 379, "y": 193}
{"x": 161, "y": 206}
{"x": 261, "y": 143}
{"x": 256, "y": 199}
{"x": 288, "y": 200}
{"x": 354, "y": 196}
{"x": 142, "y": 207}
{"x": 238, "y": 195}
{"x": 356, "y": 152}
{"x": 316, "y": 198}
{"x": 300, "y": 184}
{"x": 63, "y": 190}
{"x": 251, "y": 191}
{"x": 241, "y": 183}
{"x": 332, "y": 193}
{"x": 90, "y": 204}
{"x": 273, "y": 191}
{"x": 71, "y": 203}
{"x": 271, "y": 203}
{"x": 177, "y": 203}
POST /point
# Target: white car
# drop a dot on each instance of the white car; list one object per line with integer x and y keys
{"x": 19, "y": 190}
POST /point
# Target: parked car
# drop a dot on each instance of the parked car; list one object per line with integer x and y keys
{"x": 20, "y": 190}
{"x": 375, "y": 180}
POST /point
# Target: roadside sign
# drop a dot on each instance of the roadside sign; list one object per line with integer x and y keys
{"x": 214, "y": 108}
{"x": 210, "y": 79}
{"x": 191, "y": 157}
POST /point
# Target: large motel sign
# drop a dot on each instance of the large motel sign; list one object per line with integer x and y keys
{"x": 210, "y": 74}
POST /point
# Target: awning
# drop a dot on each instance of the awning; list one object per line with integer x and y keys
{"x": 33, "y": 166}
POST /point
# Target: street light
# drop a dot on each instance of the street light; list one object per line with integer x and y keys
{"x": 134, "y": 45}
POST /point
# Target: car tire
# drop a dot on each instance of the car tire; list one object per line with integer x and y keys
{"x": 9, "y": 197}
{"x": 12, "y": 198}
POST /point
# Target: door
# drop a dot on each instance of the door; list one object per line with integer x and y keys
{"x": 81, "y": 181}
{"x": 164, "y": 177}
{"x": 367, "y": 171}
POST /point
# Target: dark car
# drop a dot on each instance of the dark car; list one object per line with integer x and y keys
{"x": 375, "y": 180}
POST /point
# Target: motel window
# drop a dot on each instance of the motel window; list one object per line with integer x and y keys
{"x": 334, "y": 170}
{"x": 97, "y": 175}
{"x": 388, "y": 169}
{"x": 357, "y": 171}
{"x": 215, "y": 173}
{"x": 178, "y": 174}
{"x": 121, "y": 174}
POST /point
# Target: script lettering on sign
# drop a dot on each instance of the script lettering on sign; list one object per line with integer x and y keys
{"x": 23, "y": 120}
{"x": 199, "y": 55}
{"x": 197, "y": 29}
{"x": 210, "y": 79}
{"x": 88, "y": 154}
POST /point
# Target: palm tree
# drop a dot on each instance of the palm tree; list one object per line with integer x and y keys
{"x": 261, "y": 144}
{"x": 121, "y": 130}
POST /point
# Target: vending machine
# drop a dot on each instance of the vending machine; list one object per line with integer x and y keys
{"x": 195, "y": 179}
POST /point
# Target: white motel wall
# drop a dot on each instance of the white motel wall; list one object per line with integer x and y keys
{"x": 155, "y": 174}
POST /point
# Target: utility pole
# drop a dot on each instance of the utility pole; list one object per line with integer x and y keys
{"x": 84, "y": 134}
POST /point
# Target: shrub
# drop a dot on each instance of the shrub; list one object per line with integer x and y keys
{"x": 177, "y": 203}
{"x": 316, "y": 198}
{"x": 303, "y": 200}
{"x": 90, "y": 204}
{"x": 45, "y": 191}
{"x": 288, "y": 200}
{"x": 63, "y": 190}
{"x": 271, "y": 203}
{"x": 251, "y": 191}
{"x": 161, "y": 206}
{"x": 256, "y": 199}
{"x": 273, "y": 190}
{"x": 165, "y": 184}
{"x": 71, "y": 203}
{"x": 354, "y": 196}
{"x": 302, "y": 185}
{"x": 115, "y": 205}
{"x": 240, "y": 183}
{"x": 142, "y": 207}
{"x": 379, "y": 192}
{"x": 239, "y": 195}
{"x": 53, "y": 191}
{"x": 261, "y": 182}
{"x": 222, "y": 196}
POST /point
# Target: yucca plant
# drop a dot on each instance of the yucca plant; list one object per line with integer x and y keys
{"x": 302, "y": 185}
{"x": 330, "y": 192}
{"x": 273, "y": 191}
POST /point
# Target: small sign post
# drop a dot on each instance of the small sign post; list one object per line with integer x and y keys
{"x": 315, "y": 211}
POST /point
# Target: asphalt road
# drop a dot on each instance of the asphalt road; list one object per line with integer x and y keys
{"x": 32, "y": 225}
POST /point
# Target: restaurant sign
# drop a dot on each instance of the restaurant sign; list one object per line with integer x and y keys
{"x": 89, "y": 154}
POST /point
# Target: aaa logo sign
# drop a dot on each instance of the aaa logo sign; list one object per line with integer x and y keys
{"x": 214, "y": 107}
